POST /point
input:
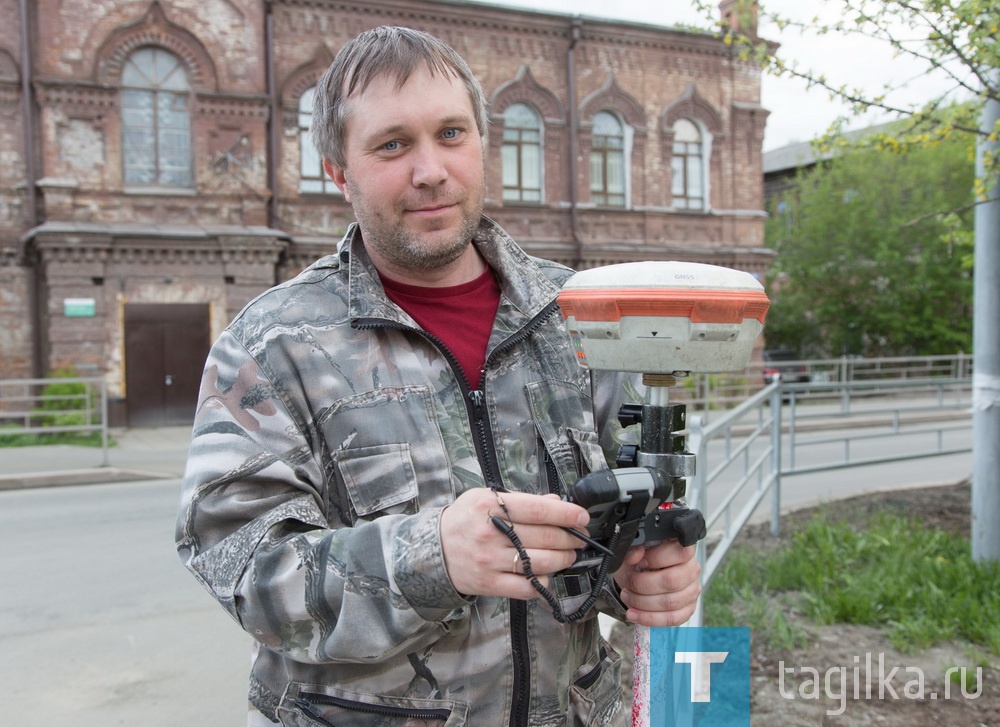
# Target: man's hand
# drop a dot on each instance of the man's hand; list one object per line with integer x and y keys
{"x": 482, "y": 561}
{"x": 660, "y": 584}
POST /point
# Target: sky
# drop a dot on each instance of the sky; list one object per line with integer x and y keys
{"x": 797, "y": 113}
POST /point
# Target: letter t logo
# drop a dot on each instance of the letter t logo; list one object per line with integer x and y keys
{"x": 697, "y": 659}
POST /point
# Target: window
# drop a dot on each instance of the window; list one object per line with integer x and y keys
{"x": 312, "y": 178}
{"x": 687, "y": 167}
{"x": 522, "y": 154}
{"x": 156, "y": 120}
{"x": 607, "y": 161}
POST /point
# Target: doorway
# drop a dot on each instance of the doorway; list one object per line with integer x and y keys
{"x": 165, "y": 349}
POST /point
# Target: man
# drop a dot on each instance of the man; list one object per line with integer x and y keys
{"x": 367, "y": 430}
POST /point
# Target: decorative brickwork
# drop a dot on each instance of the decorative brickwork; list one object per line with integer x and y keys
{"x": 155, "y": 29}
{"x": 245, "y": 222}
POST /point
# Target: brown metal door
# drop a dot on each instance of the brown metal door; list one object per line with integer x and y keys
{"x": 165, "y": 350}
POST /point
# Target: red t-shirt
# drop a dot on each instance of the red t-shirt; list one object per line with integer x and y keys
{"x": 460, "y": 315}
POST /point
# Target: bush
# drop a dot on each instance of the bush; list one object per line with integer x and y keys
{"x": 63, "y": 404}
{"x": 67, "y": 403}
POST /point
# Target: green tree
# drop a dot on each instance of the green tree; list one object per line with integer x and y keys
{"x": 862, "y": 268}
{"x": 956, "y": 39}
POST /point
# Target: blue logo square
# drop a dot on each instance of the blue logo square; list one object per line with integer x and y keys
{"x": 699, "y": 677}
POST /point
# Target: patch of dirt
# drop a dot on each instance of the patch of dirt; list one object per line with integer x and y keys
{"x": 844, "y": 675}
{"x": 785, "y": 693}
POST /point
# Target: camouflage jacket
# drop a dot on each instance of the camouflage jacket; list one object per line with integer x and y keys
{"x": 330, "y": 434}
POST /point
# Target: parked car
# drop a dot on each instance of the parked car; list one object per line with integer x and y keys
{"x": 783, "y": 364}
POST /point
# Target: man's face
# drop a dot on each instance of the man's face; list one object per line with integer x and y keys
{"x": 414, "y": 172}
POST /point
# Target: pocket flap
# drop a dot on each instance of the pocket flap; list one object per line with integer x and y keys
{"x": 378, "y": 477}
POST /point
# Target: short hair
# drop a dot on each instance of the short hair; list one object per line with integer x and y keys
{"x": 384, "y": 50}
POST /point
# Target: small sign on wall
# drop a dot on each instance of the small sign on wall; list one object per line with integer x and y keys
{"x": 79, "y": 307}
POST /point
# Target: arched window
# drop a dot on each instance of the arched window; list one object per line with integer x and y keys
{"x": 607, "y": 161}
{"x": 687, "y": 167}
{"x": 312, "y": 178}
{"x": 156, "y": 120}
{"x": 522, "y": 154}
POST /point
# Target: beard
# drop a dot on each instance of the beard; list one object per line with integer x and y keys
{"x": 386, "y": 232}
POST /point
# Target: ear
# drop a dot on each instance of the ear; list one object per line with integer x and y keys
{"x": 337, "y": 175}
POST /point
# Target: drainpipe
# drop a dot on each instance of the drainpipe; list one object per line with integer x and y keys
{"x": 274, "y": 121}
{"x": 31, "y": 177}
{"x": 574, "y": 217}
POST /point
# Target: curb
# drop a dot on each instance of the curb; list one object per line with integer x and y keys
{"x": 60, "y": 478}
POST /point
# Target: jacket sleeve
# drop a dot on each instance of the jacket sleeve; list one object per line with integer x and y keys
{"x": 253, "y": 528}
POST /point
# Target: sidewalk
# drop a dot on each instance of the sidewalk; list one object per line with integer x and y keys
{"x": 138, "y": 454}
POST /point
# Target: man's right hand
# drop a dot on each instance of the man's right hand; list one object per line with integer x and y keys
{"x": 482, "y": 561}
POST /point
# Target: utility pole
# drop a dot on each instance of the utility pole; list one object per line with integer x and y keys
{"x": 986, "y": 345}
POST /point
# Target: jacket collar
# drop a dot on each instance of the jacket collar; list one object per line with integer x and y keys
{"x": 525, "y": 291}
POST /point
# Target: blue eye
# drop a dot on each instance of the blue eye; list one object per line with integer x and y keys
{"x": 391, "y": 145}
{"x": 450, "y": 133}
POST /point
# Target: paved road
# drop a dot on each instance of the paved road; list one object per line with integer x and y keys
{"x": 100, "y": 624}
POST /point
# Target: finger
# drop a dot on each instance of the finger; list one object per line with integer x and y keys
{"x": 519, "y": 587}
{"x": 530, "y": 509}
{"x": 653, "y": 597}
{"x": 540, "y": 562}
{"x": 665, "y": 555}
{"x": 546, "y": 537}
{"x": 664, "y": 610}
{"x": 665, "y": 597}
{"x": 662, "y": 580}
{"x": 633, "y": 556}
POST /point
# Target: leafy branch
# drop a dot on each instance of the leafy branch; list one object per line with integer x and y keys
{"x": 957, "y": 38}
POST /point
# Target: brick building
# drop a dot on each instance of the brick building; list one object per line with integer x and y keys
{"x": 156, "y": 173}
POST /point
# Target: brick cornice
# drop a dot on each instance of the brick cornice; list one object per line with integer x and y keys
{"x": 154, "y": 253}
{"x": 255, "y": 107}
{"x": 53, "y": 91}
{"x": 508, "y": 20}
{"x": 79, "y": 243}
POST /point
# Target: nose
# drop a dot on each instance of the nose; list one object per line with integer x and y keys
{"x": 429, "y": 169}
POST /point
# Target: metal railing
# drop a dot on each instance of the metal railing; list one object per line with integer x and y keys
{"x": 46, "y": 406}
{"x": 743, "y": 455}
{"x": 717, "y": 393}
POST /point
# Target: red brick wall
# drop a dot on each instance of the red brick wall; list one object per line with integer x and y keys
{"x": 114, "y": 244}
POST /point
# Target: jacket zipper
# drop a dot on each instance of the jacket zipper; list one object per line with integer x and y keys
{"x": 474, "y": 399}
{"x": 590, "y": 678}
{"x": 485, "y": 448}
{"x": 551, "y": 473}
{"x": 385, "y": 710}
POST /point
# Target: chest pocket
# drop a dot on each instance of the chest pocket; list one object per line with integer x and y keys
{"x": 382, "y": 444}
{"x": 565, "y": 422}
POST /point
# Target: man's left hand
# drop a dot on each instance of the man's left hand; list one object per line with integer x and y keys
{"x": 660, "y": 585}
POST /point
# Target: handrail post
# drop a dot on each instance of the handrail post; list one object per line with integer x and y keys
{"x": 104, "y": 423}
{"x": 696, "y": 439}
{"x": 776, "y": 460}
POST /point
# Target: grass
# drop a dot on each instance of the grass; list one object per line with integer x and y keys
{"x": 918, "y": 584}
{"x": 11, "y": 436}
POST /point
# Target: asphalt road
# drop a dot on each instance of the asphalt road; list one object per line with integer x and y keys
{"x": 100, "y": 624}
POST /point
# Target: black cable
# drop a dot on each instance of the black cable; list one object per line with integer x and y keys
{"x": 507, "y": 528}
